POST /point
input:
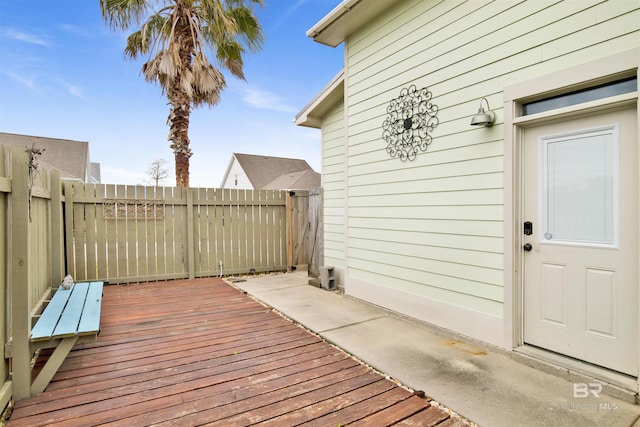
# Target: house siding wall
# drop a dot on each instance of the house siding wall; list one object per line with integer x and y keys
{"x": 236, "y": 171}
{"x": 333, "y": 185}
{"x": 432, "y": 228}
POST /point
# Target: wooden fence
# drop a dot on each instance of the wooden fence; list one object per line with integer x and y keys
{"x": 123, "y": 234}
{"x": 31, "y": 244}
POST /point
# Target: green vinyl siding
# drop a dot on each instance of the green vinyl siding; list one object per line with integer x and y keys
{"x": 433, "y": 227}
{"x": 333, "y": 184}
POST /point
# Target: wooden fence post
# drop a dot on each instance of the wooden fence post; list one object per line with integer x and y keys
{"x": 288, "y": 207}
{"x": 57, "y": 231}
{"x": 19, "y": 273}
{"x": 68, "y": 221}
{"x": 190, "y": 237}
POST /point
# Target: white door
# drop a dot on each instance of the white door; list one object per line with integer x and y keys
{"x": 580, "y": 237}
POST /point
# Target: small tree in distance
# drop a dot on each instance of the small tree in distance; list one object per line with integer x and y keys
{"x": 157, "y": 172}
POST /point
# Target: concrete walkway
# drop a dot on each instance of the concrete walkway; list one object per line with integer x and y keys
{"x": 486, "y": 387}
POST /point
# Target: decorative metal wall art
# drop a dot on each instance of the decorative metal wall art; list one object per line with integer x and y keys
{"x": 409, "y": 123}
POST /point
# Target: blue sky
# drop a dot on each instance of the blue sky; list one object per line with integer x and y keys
{"x": 63, "y": 75}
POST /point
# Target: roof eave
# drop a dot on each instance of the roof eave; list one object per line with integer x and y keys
{"x": 345, "y": 18}
{"x": 311, "y": 115}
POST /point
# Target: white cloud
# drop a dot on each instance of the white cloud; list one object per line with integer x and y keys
{"x": 75, "y": 91}
{"x": 72, "y": 89}
{"x": 265, "y": 100}
{"x": 28, "y": 81}
{"x": 10, "y": 33}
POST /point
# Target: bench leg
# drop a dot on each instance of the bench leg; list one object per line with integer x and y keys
{"x": 52, "y": 365}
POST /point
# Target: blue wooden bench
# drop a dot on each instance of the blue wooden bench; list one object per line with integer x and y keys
{"x": 71, "y": 317}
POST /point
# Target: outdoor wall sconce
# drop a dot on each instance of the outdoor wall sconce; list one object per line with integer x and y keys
{"x": 484, "y": 118}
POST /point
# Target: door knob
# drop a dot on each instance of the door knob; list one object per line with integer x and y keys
{"x": 527, "y": 247}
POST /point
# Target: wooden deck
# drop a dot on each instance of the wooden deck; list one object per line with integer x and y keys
{"x": 200, "y": 352}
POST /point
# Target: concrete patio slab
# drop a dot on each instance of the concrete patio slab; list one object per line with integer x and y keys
{"x": 486, "y": 386}
{"x": 317, "y": 310}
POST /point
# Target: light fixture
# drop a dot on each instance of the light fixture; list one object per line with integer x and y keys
{"x": 484, "y": 118}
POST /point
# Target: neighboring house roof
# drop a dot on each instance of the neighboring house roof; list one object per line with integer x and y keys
{"x": 295, "y": 181}
{"x": 267, "y": 172}
{"x": 345, "y": 18}
{"x": 69, "y": 157}
{"x": 330, "y": 95}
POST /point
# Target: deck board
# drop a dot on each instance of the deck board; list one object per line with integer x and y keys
{"x": 200, "y": 352}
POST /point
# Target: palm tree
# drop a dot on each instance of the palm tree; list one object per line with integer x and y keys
{"x": 177, "y": 36}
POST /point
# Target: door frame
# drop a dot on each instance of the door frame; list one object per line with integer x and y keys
{"x": 594, "y": 73}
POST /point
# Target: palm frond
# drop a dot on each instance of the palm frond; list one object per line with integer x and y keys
{"x": 158, "y": 25}
{"x": 248, "y": 28}
{"x": 229, "y": 54}
{"x": 207, "y": 78}
{"x": 122, "y": 14}
{"x": 151, "y": 67}
{"x": 135, "y": 45}
{"x": 169, "y": 62}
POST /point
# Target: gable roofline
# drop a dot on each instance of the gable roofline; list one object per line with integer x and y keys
{"x": 260, "y": 170}
{"x": 312, "y": 113}
{"x": 345, "y": 18}
{"x": 226, "y": 173}
{"x": 299, "y": 180}
{"x": 69, "y": 156}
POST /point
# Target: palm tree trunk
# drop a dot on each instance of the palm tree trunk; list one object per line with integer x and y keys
{"x": 179, "y": 137}
{"x": 181, "y": 101}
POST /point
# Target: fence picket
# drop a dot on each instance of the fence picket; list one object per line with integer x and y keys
{"x": 218, "y": 235}
{"x": 143, "y": 211}
{"x": 112, "y": 237}
{"x": 200, "y": 229}
{"x": 68, "y": 231}
{"x": 226, "y": 230}
{"x": 80, "y": 228}
{"x": 101, "y": 233}
{"x": 131, "y": 234}
{"x": 159, "y": 235}
{"x": 264, "y": 231}
{"x": 121, "y": 235}
{"x": 90, "y": 232}
{"x": 179, "y": 226}
{"x": 250, "y": 207}
{"x": 243, "y": 263}
{"x": 211, "y": 239}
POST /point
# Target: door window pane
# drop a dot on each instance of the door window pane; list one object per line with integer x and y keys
{"x": 580, "y": 200}
{"x": 578, "y": 97}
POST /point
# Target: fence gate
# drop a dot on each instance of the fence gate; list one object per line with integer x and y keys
{"x": 297, "y": 205}
{"x": 315, "y": 238}
{"x": 304, "y": 230}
